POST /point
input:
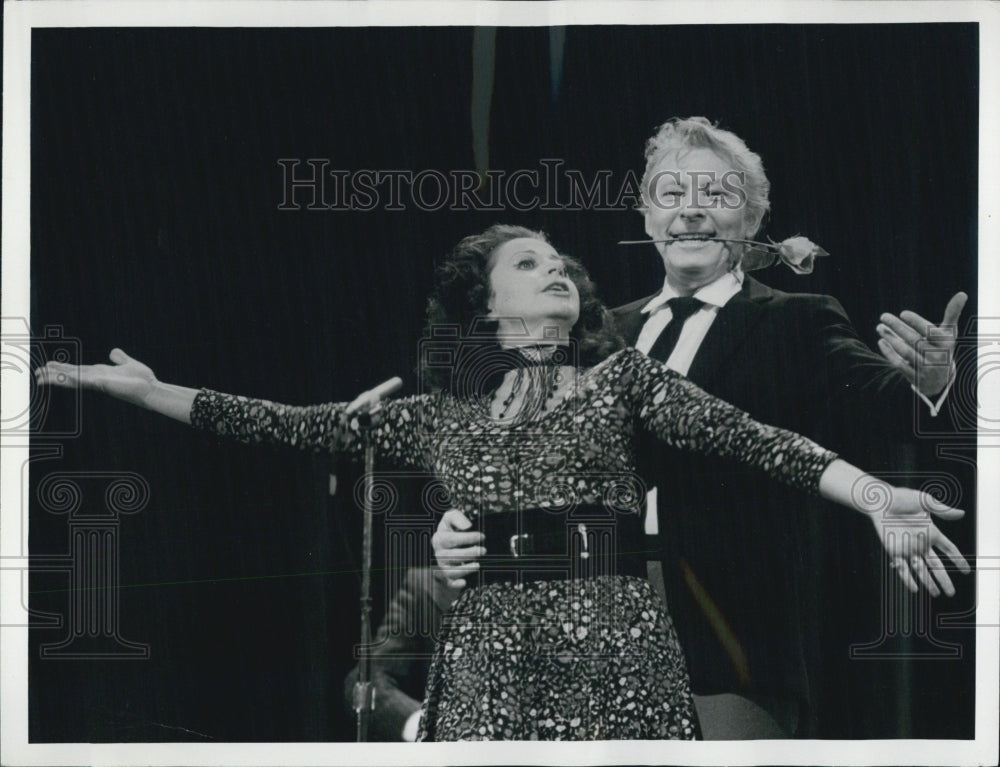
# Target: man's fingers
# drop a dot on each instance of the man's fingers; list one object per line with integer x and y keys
{"x": 954, "y": 309}
{"x": 459, "y": 570}
{"x": 894, "y": 358}
{"x": 910, "y": 327}
{"x": 906, "y": 352}
{"x": 453, "y": 519}
{"x": 445, "y": 540}
{"x": 455, "y": 575}
{"x": 458, "y": 554}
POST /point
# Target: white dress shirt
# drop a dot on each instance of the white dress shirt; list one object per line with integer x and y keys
{"x": 714, "y": 296}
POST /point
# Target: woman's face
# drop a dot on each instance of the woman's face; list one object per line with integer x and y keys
{"x": 530, "y": 291}
{"x": 695, "y": 193}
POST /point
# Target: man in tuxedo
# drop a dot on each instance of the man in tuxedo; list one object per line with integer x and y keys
{"x": 735, "y": 544}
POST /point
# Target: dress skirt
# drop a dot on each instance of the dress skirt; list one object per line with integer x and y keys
{"x": 583, "y": 659}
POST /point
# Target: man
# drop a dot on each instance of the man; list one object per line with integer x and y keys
{"x": 733, "y": 541}
{"x": 791, "y": 360}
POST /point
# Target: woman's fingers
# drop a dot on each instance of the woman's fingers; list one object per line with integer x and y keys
{"x": 119, "y": 357}
{"x": 919, "y": 568}
{"x": 941, "y": 541}
{"x": 940, "y": 573}
{"x": 913, "y": 507}
{"x": 939, "y": 509}
{"x": 915, "y": 560}
{"x": 903, "y": 571}
{"x": 57, "y": 374}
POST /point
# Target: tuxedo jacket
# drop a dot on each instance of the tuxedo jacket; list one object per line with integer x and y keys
{"x": 404, "y": 645}
{"x": 736, "y": 544}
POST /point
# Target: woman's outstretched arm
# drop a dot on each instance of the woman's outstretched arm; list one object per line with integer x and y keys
{"x": 126, "y": 379}
{"x": 332, "y": 426}
{"x": 686, "y": 417}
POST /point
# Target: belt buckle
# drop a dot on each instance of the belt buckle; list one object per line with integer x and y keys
{"x": 515, "y": 544}
{"x": 582, "y": 530}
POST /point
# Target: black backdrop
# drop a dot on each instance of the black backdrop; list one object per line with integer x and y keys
{"x": 155, "y": 226}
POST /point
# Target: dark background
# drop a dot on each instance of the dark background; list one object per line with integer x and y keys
{"x": 155, "y": 227}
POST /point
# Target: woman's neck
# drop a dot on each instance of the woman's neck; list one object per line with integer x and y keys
{"x": 515, "y": 332}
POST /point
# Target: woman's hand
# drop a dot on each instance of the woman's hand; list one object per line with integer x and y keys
{"x": 127, "y": 379}
{"x": 456, "y": 549}
{"x": 912, "y": 540}
{"x": 903, "y": 522}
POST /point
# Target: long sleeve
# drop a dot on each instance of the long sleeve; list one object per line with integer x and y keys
{"x": 397, "y": 432}
{"x": 685, "y": 417}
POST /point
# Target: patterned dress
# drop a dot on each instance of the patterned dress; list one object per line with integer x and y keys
{"x": 563, "y": 659}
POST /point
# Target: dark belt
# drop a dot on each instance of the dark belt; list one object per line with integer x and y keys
{"x": 541, "y": 545}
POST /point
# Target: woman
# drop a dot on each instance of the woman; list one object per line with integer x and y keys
{"x": 549, "y": 434}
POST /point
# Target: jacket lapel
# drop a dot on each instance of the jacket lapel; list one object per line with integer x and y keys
{"x": 730, "y": 329}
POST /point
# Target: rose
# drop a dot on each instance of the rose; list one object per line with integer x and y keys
{"x": 799, "y": 253}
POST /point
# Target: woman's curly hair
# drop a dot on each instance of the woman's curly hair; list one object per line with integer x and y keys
{"x": 459, "y": 304}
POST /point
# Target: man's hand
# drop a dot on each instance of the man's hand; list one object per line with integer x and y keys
{"x": 920, "y": 350}
{"x": 455, "y": 549}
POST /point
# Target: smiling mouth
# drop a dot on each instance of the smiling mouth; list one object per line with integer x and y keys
{"x": 694, "y": 236}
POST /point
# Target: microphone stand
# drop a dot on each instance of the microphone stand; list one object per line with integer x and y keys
{"x": 363, "y": 408}
{"x": 364, "y": 693}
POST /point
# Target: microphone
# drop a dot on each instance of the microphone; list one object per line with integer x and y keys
{"x": 369, "y": 401}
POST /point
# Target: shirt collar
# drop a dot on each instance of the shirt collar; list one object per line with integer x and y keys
{"x": 716, "y": 293}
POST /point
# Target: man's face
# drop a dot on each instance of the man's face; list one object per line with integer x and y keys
{"x": 695, "y": 194}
